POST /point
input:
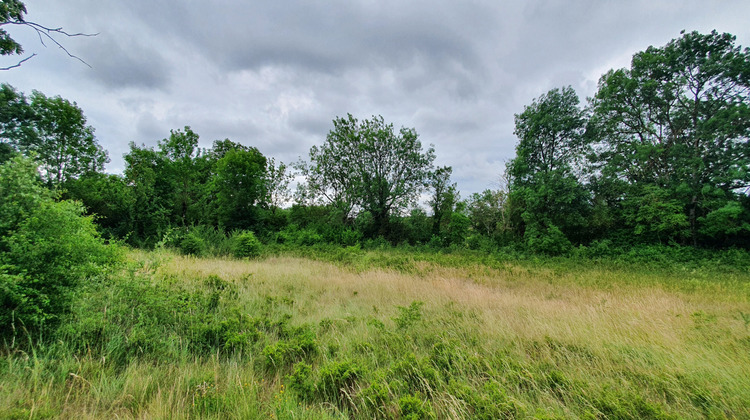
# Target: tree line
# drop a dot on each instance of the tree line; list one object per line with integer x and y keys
{"x": 659, "y": 155}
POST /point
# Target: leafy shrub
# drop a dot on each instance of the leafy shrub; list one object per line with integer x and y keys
{"x": 306, "y": 237}
{"x": 376, "y": 394}
{"x": 296, "y": 344}
{"x": 413, "y": 407}
{"x": 435, "y": 242}
{"x": 338, "y": 376}
{"x": 47, "y": 250}
{"x": 301, "y": 381}
{"x": 417, "y": 374}
{"x": 350, "y": 237}
{"x": 171, "y": 238}
{"x": 215, "y": 240}
{"x": 407, "y": 316}
{"x": 474, "y": 242}
{"x": 550, "y": 241}
{"x": 246, "y": 245}
{"x": 191, "y": 244}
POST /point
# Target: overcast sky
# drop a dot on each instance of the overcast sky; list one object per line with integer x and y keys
{"x": 274, "y": 74}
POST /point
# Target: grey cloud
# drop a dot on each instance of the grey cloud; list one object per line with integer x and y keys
{"x": 120, "y": 63}
{"x": 274, "y": 74}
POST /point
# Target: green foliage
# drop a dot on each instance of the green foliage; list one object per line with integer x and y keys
{"x": 489, "y": 402}
{"x": 376, "y": 394}
{"x": 488, "y": 212}
{"x": 367, "y": 164}
{"x": 418, "y": 227}
{"x": 53, "y": 131}
{"x": 48, "y": 249}
{"x": 414, "y": 407}
{"x": 457, "y": 230}
{"x": 677, "y": 119}
{"x": 337, "y": 378}
{"x": 550, "y": 241}
{"x": 443, "y": 199}
{"x": 725, "y": 223}
{"x": 416, "y": 374}
{"x": 615, "y": 404}
{"x": 301, "y": 381}
{"x": 240, "y": 187}
{"x": 544, "y": 187}
{"x": 191, "y": 244}
{"x": 180, "y": 185}
{"x": 107, "y": 198}
{"x": 10, "y": 11}
{"x": 656, "y": 216}
{"x": 246, "y": 245}
{"x": 408, "y": 316}
{"x": 294, "y": 345}
{"x": 232, "y": 345}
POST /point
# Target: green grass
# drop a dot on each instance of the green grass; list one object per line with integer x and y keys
{"x": 392, "y": 334}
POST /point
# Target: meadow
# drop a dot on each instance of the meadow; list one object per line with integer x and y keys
{"x": 383, "y": 334}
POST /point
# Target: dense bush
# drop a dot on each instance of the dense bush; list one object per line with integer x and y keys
{"x": 246, "y": 245}
{"x": 47, "y": 249}
{"x": 192, "y": 244}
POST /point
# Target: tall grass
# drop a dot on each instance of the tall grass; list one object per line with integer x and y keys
{"x": 375, "y": 334}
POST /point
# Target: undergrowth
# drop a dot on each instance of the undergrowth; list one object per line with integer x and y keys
{"x": 184, "y": 337}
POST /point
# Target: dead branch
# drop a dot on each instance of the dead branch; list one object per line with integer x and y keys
{"x": 19, "y": 63}
{"x": 47, "y": 33}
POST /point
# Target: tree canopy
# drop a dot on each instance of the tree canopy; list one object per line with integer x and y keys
{"x": 678, "y": 120}
{"x": 659, "y": 155}
{"x": 366, "y": 164}
{"x": 53, "y": 130}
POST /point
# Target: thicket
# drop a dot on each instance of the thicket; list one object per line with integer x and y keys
{"x": 48, "y": 250}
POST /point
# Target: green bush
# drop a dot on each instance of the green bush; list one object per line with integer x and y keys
{"x": 246, "y": 245}
{"x": 301, "y": 381}
{"x": 296, "y": 344}
{"x": 413, "y": 407}
{"x": 47, "y": 250}
{"x": 338, "y": 376}
{"x": 407, "y": 316}
{"x": 550, "y": 240}
{"x": 192, "y": 244}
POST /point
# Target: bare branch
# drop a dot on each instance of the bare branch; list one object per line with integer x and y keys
{"x": 19, "y": 63}
{"x": 46, "y": 32}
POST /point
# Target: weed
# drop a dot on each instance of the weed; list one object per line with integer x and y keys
{"x": 337, "y": 379}
{"x": 414, "y": 407}
{"x": 408, "y": 316}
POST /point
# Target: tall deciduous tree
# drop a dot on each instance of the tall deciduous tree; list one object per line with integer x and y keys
{"x": 179, "y": 154}
{"x": 65, "y": 144}
{"x": 544, "y": 184}
{"x": 366, "y": 164}
{"x": 444, "y": 198}
{"x": 278, "y": 178}
{"x": 488, "y": 211}
{"x": 240, "y": 187}
{"x": 54, "y": 130}
{"x": 678, "y": 119}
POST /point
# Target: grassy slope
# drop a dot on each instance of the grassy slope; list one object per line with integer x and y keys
{"x": 512, "y": 340}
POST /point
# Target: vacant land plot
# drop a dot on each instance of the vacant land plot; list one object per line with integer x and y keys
{"x": 283, "y": 337}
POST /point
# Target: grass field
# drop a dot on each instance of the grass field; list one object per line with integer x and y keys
{"x": 445, "y": 337}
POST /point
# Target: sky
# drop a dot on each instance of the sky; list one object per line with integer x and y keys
{"x": 274, "y": 74}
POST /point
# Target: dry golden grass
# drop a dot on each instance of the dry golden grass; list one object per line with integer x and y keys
{"x": 613, "y": 336}
{"x": 694, "y": 332}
